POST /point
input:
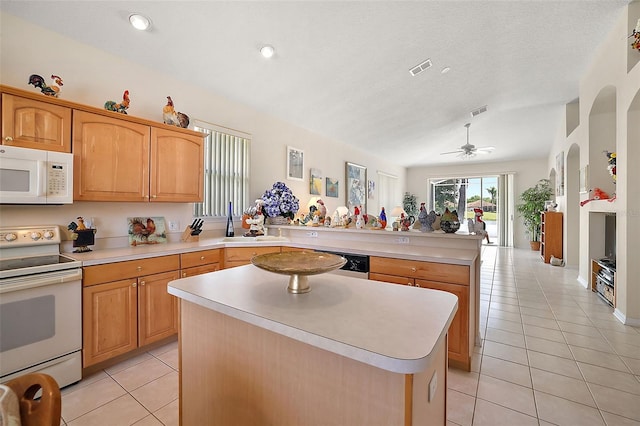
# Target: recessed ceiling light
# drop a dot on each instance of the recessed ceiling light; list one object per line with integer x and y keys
{"x": 139, "y": 22}
{"x": 445, "y": 70}
{"x": 267, "y": 51}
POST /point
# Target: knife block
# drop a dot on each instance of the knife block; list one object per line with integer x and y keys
{"x": 187, "y": 237}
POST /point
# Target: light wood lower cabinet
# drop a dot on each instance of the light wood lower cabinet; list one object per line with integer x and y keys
{"x": 238, "y": 256}
{"x": 200, "y": 262}
{"x": 126, "y": 305}
{"x": 438, "y": 276}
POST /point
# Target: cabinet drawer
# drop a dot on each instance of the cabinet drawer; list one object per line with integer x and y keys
{"x": 199, "y": 258}
{"x": 394, "y": 279}
{"x": 197, "y": 270}
{"x": 129, "y": 269}
{"x": 244, "y": 254}
{"x": 443, "y": 272}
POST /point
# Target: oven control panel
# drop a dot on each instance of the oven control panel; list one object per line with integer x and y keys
{"x": 29, "y": 236}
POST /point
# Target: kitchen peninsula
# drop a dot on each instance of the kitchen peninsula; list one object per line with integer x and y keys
{"x": 351, "y": 351}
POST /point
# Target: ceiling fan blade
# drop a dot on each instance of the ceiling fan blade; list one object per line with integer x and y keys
{"x": 485, "y": 150}
{"x": 457, "y": 151}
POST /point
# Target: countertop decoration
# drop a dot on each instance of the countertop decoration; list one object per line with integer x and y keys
{"x": 450, "y": 222}
{"x": 298, "y": 265}
{"x": 146, "y": 230}
{"x": 280, "y": 205}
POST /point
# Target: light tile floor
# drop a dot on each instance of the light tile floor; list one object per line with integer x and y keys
{"x": 552, "y": 353}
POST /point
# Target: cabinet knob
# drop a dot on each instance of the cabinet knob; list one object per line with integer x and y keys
{"x": 134, "y": 285}
{"x": 139, "y": 268}
{"x": 413, "y": 269}
{"x": 417, "y": 285}
{"x": 184, "y": 274}
{"x": 8, "y": 138}
{"x": 410, "y": 283}
{"x": 154, "y": 196}
{"x": 142, "y": 283}
{"x": 201, "y": 257}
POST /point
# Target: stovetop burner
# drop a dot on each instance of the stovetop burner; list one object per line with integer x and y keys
{"x": 32, "y": 261}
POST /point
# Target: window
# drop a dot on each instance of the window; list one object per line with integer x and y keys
{"x": 388, "y": 194}
{"x": 226, "y": 171}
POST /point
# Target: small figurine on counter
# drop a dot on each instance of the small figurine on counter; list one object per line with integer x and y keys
{"x": 121, "y": 107}
{"x": 81, "y": 225}
{"x": 52, "y": 90}
{"x": 170, "y": 116}
{"x": 256, "y": 221}
{"x": 383, "y": 219}
{"x": 422, "y": 218}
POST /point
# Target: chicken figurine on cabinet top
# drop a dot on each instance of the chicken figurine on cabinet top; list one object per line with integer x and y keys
{"x": 119, "y": 107}
{"x": 172, "y": 117}
{"x": 38, "y": 82}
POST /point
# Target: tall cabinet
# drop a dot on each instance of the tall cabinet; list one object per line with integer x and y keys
{"x": 551, "y": 236}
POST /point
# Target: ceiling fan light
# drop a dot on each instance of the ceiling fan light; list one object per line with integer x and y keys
{"x": 267, "y": 51}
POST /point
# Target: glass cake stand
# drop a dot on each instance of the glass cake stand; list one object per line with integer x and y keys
{"x": 298, "y": 265}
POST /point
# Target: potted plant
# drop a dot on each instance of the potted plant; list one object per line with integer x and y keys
{"x": 531, "y": 209}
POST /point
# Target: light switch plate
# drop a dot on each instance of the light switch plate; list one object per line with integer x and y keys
{"x": 174, "y": 226}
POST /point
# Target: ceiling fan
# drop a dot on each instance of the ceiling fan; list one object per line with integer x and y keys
{"x": 468, "y": 150}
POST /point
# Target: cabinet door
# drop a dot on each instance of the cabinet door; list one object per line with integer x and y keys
{"x": 110, "y": 159}
{"x": 109, "y": 320}
{"x": 33, "y": 124}
{"x": 157, "y": 309}
{"x": 177, "y": 166}
{"x": 459, "y": 329}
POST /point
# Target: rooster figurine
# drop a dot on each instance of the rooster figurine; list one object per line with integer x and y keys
{"x": 170, "y": 116}
{"x": 53, "y": 90}
{"x": 121, "y": 107}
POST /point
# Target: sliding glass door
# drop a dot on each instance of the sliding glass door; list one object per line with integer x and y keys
{"x": 465, "y": 194}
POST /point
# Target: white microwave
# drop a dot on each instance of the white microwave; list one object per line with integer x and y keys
{"x": 34, "y": 176}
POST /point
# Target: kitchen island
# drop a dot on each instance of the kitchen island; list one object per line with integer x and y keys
{"x": 351, "y": 351}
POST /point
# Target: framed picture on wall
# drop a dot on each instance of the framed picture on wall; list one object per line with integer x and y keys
{"x": 356, "y": 189}
{"x": 295, "y": 163}
{"x": 315, "y": 182}
{"x": 560, "y": 174}
{"x": 332, "y": 187}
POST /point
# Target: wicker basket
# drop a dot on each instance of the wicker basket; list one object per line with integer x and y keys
{"x": 276, "y": 220}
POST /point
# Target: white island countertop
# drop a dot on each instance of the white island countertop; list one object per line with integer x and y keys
{"x": 392, "y": 327}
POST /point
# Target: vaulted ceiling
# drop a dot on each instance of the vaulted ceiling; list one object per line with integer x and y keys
{"x": 341, "y": 68}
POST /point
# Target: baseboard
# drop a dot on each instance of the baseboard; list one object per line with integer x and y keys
{"x": 635, "y": 322}
{"x": 583, "y": 282}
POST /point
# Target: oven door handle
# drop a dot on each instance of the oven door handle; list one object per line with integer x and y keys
{"x": 23, "y": 283}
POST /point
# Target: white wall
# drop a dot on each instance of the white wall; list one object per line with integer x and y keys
{"x": 92, "y": 76}
{"x": 526, "y": 174}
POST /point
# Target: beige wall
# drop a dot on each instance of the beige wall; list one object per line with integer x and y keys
{"x": 92, "y": 76}
{"x": 609, "y": 72}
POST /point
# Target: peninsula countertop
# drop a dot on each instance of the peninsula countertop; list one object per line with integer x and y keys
{"x": 392, "y": 327}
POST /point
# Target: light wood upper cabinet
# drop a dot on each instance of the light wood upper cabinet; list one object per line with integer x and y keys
{"x": 110, "y": 159}
{"x": 119, "y": 160}
{"x": 177, "y": 166}
{"x": 29, "y": 123}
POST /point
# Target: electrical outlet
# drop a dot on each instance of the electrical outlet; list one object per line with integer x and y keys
{"x": 174, "y": 225}
{"x": 312, "y": 234}
{"x": 433, "y": 386}
{"x": 402, "y": 240}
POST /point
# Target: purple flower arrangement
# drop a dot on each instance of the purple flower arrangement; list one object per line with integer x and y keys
{"x": 280, "y": 201}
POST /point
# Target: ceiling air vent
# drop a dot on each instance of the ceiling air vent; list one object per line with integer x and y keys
{"x": 478, "y": 111}
{"x": 420, "y": 67}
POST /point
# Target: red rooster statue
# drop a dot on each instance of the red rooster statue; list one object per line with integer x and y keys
{"x": 170, "y": 116}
